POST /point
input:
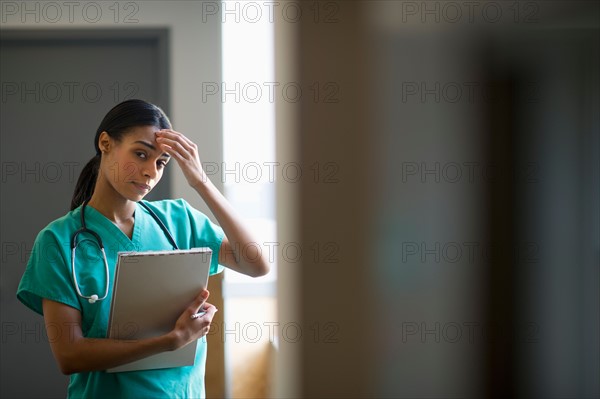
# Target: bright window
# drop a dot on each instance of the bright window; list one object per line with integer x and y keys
{"x": 249, "y": 173}
{"x": 249, "y": 169}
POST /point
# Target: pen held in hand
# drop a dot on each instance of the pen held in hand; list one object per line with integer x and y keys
{"x": 196, "y": 315}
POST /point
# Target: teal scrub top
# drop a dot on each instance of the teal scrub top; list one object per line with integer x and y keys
{"x": 48, "y": 275}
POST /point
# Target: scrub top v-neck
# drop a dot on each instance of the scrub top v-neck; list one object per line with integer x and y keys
{"x": 127, "y": 244}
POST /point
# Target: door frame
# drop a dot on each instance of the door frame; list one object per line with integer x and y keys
{"x": 160, "y": 35}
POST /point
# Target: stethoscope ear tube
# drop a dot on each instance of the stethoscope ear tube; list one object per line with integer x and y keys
{"x": 161, "y": 224}
{"x": 86, "y": 230}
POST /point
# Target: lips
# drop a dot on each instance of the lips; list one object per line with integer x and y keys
{"x": 142, "y": 187}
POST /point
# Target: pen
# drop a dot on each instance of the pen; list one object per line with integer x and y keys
{"x": 196, "y": 315}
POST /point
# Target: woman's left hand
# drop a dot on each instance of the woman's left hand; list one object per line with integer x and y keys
{"x": 185, "y": 152}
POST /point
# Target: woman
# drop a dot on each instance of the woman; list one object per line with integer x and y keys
{"x": 134, "y": 143}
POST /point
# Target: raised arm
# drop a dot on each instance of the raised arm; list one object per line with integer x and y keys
{"x": 239, "y": 250}
{"x": 74, "y": 353}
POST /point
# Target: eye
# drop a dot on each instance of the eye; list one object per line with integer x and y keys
{"x": 162, "y": 163}
{"x": 141, "y": 154}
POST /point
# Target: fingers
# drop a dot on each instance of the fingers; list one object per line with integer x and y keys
{"x": 210, "y": 309}
{"x": 173, "y": 138}
{"x": 188, "y": 328}
{"x": 172, "y": 134}
{"x": 198, "y": 302}
{"x": 178, "y": 146}
{"x": 208, "y": 312}
{"x": 174, "y": 147}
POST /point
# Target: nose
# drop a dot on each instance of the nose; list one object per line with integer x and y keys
{"x": 150, "y": 170}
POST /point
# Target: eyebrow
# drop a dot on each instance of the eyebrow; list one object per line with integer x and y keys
{"x": 153, "y": 148}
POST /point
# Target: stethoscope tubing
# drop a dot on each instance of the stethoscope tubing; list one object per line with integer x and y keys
{"x": 94, "y": 297}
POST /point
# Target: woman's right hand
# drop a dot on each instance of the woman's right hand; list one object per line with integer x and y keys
{"x": 188, "y": 329}
{"x": 76, "y": 353}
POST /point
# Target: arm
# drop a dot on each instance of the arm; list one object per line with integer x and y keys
{"x": 74, "y": 353}
{"x": 236, "y": 249}
{"x": 242, "y": 256}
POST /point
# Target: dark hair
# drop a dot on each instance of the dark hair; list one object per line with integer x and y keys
{"x": 116, "y": 123}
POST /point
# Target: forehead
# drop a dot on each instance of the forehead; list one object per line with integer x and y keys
{"x": 146, "y": 133}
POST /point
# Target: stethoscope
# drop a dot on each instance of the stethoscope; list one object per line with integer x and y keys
{"x": 94, "y": 297}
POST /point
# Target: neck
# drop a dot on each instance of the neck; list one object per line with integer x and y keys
{"x": 111, "y": 204}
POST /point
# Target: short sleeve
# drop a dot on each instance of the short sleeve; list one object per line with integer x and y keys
{"x": 205, "y": 233}
{"x": 47, "y": 274}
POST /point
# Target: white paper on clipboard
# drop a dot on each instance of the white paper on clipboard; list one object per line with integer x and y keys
{"x": 151, "y": 290}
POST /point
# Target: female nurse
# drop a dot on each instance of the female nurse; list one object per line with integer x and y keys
{"x": 134, "y": 143}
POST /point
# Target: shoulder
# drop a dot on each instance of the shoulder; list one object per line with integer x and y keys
{"x": 170, "y": 208}
{"x": 174, "y": 210}
{"x": 168, "y": 205}
{"x": 61, "y": 229}
{"x": 178, "y": 211}
{"x": 189, "y": 225}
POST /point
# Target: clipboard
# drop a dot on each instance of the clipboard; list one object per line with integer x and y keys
{"x": 151, "y": 290}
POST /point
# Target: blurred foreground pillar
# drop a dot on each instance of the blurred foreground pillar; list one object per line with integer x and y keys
{"x": 422, "y": 201}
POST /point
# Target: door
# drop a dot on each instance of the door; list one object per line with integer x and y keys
{"x": 56, "y": 88}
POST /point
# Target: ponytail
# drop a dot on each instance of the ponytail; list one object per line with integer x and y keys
{"x": 86, "y": 182}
